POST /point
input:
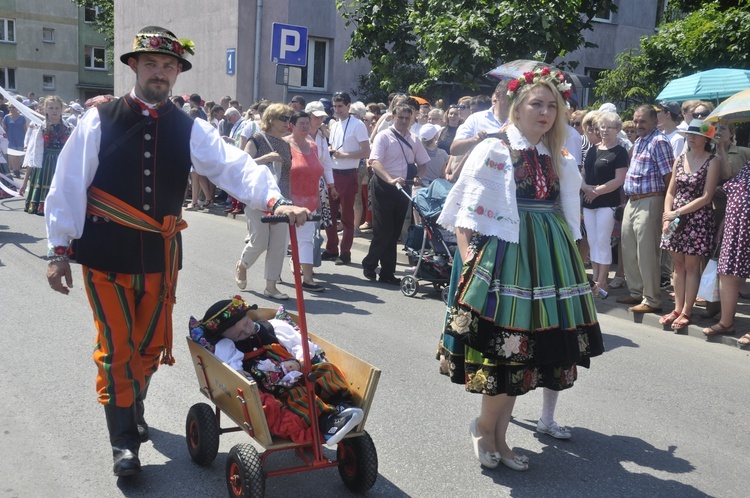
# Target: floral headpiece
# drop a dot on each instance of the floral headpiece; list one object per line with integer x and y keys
{"x": 540, "y": 75}
{"x": 219, "y": 317}
{"x": 158, "y": 40}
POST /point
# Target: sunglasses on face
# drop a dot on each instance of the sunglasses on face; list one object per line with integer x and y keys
{"x": 462, "y": 107}
{"x": 702, "y": 114}
{"x": 576, "y": 123}
{"x": 285, "y": 119}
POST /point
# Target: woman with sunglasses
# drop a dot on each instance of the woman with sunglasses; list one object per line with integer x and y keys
{"x": 305, "y": 177}
{"x": 268, "y": 147}
{"x": 691, "y": 188}
{"x": 604, "y": 173}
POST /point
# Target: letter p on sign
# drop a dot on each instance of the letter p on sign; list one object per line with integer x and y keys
{"x": 289, "y": 42}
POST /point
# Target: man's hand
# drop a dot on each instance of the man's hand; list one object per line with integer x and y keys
{"x": 297, "y": 215}
{"x": 55, "y": 273}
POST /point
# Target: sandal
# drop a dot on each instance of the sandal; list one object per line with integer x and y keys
{"x": 718, "y": 329}
{"x": 744, "y": 340}
{"x": 682, "y": 321}
{"x": 669, "y": 318}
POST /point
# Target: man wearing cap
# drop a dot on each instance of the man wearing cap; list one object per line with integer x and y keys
{"x": 76, "y": 111}
{"x": 669, "y": 116}
{"x": 115, "y": 204}
{"x": 393, "y": 150}
{"x": 317, "y": 116}
{"x": 483, "y": 123}
{"x": 645, "y": 185}
{"x": 349, "y": 143}
{"x": 438, "y": 157}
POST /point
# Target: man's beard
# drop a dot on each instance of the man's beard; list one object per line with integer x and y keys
{"x": 153, "y": 95}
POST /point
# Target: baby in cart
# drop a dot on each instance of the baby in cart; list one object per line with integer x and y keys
{"x": 270, "y": 352}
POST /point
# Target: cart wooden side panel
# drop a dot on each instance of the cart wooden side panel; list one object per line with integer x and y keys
{"x": 220, "y": 383}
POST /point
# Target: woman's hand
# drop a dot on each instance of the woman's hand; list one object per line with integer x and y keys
{"x": 589, "y": 193}
{"x": 669, "y": 216}
{"x": 273, "y": 157}
{"x": 398, "y": 179}
{"x": 333, "y": 192}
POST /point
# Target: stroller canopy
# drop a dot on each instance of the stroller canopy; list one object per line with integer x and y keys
{"x": 429, "y": 201}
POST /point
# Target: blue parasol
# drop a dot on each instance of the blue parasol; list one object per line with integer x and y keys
{"x": 714, "y": 84}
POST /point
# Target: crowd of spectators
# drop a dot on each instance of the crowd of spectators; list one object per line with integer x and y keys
{"x": 638, "y": 176}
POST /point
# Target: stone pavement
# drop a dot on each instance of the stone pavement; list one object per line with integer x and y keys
{"x": 607, "y": 306}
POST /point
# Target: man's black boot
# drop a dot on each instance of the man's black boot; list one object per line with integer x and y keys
{"x": 124, "y": 438}
{"x": 140, "y": 410}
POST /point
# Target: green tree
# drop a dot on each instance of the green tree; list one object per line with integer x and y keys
{"x": 707, "y": 38}
{"x": 458, "y": 42}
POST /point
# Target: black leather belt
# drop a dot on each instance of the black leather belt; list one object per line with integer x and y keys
{"x": 350, "y": 171}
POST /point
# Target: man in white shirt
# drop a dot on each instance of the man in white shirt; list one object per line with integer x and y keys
{"x": 482, "y": 123}
{"x": 117, "y": 199}
{"x": 349, "y": 142}
{"x": 392, "y": 151}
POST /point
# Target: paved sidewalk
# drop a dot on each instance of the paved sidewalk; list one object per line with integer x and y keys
{"x": 607, "y": 306}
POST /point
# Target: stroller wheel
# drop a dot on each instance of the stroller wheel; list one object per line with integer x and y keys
{"x": 409, "y": 286}
{"x": 444, "y": 295}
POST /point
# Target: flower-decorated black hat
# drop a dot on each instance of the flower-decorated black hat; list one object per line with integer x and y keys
{"x": 222, "y": 315}
{"x": 156, "y": 40}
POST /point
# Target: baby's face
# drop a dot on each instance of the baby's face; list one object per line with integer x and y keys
{"x": 290, "y": 366}
{"x": 240, "y": 330}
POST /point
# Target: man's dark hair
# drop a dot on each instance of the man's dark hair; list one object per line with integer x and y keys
{"x": 195, "y": 99}
{"x": 413, "y": 103}
{"x": 299, "y": 99}
{"x": 404, "y": 107}
{"x": 483, "y": 102}
{"x": 645, "y": 107}
{"x": 342, "y": 97}
{"x": 298, "y": 115}
{"x": 178, "y": 101}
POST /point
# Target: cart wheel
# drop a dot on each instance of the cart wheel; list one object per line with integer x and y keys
{"x": 202, "y": 434}
{"x": 358, "y": 462}
{"x": 444, "y": 295}
{"x": 409, "y": 286}
{"x": 245, "y": 475}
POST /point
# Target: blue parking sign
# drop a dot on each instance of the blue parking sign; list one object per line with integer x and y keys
{"x": 289, "y": 44}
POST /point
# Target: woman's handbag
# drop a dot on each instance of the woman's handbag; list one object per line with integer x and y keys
{"x": 619, "y": 212}
{"x": 709, "y": 286}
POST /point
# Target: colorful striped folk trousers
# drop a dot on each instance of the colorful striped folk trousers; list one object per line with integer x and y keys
{"x": 330, "y": 385}
{"x": 130, "y": 319}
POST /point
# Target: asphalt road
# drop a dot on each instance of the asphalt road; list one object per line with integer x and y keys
{"x": 657, "y": 415}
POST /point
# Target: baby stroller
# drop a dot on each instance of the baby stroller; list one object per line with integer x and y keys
{"x": 428, "y": 246}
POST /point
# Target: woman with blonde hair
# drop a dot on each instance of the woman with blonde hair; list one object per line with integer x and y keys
{"x": 521, "y": 313}
{"x": 268, "y": 147}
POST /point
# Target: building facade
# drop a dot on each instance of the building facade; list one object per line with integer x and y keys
{"x": 244, "y": 26}
{"x": 42, "y": 44}
{"x": 613, "y": 33}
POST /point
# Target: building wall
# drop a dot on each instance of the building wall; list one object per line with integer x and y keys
{"x": 91, "y": 82}
{"x": 32, "y": 58}
{"x": 635, "y": 19}
{"x": 231, "y": 24}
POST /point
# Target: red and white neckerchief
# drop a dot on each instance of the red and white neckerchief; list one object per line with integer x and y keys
{"x": 146, "y": 108}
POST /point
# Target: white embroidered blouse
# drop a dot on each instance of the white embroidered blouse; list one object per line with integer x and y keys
{"x": 484, "y": 197}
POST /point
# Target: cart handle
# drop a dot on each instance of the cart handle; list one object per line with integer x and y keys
{"x": 282, "y": 218}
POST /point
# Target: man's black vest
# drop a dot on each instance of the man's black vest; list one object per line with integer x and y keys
{"x": 149, "y": 171}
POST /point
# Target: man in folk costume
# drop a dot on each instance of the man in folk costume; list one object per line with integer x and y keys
{"x": 117, "y": 195}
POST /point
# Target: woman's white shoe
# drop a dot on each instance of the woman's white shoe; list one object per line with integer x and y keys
{"x": 489, "y": 460}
